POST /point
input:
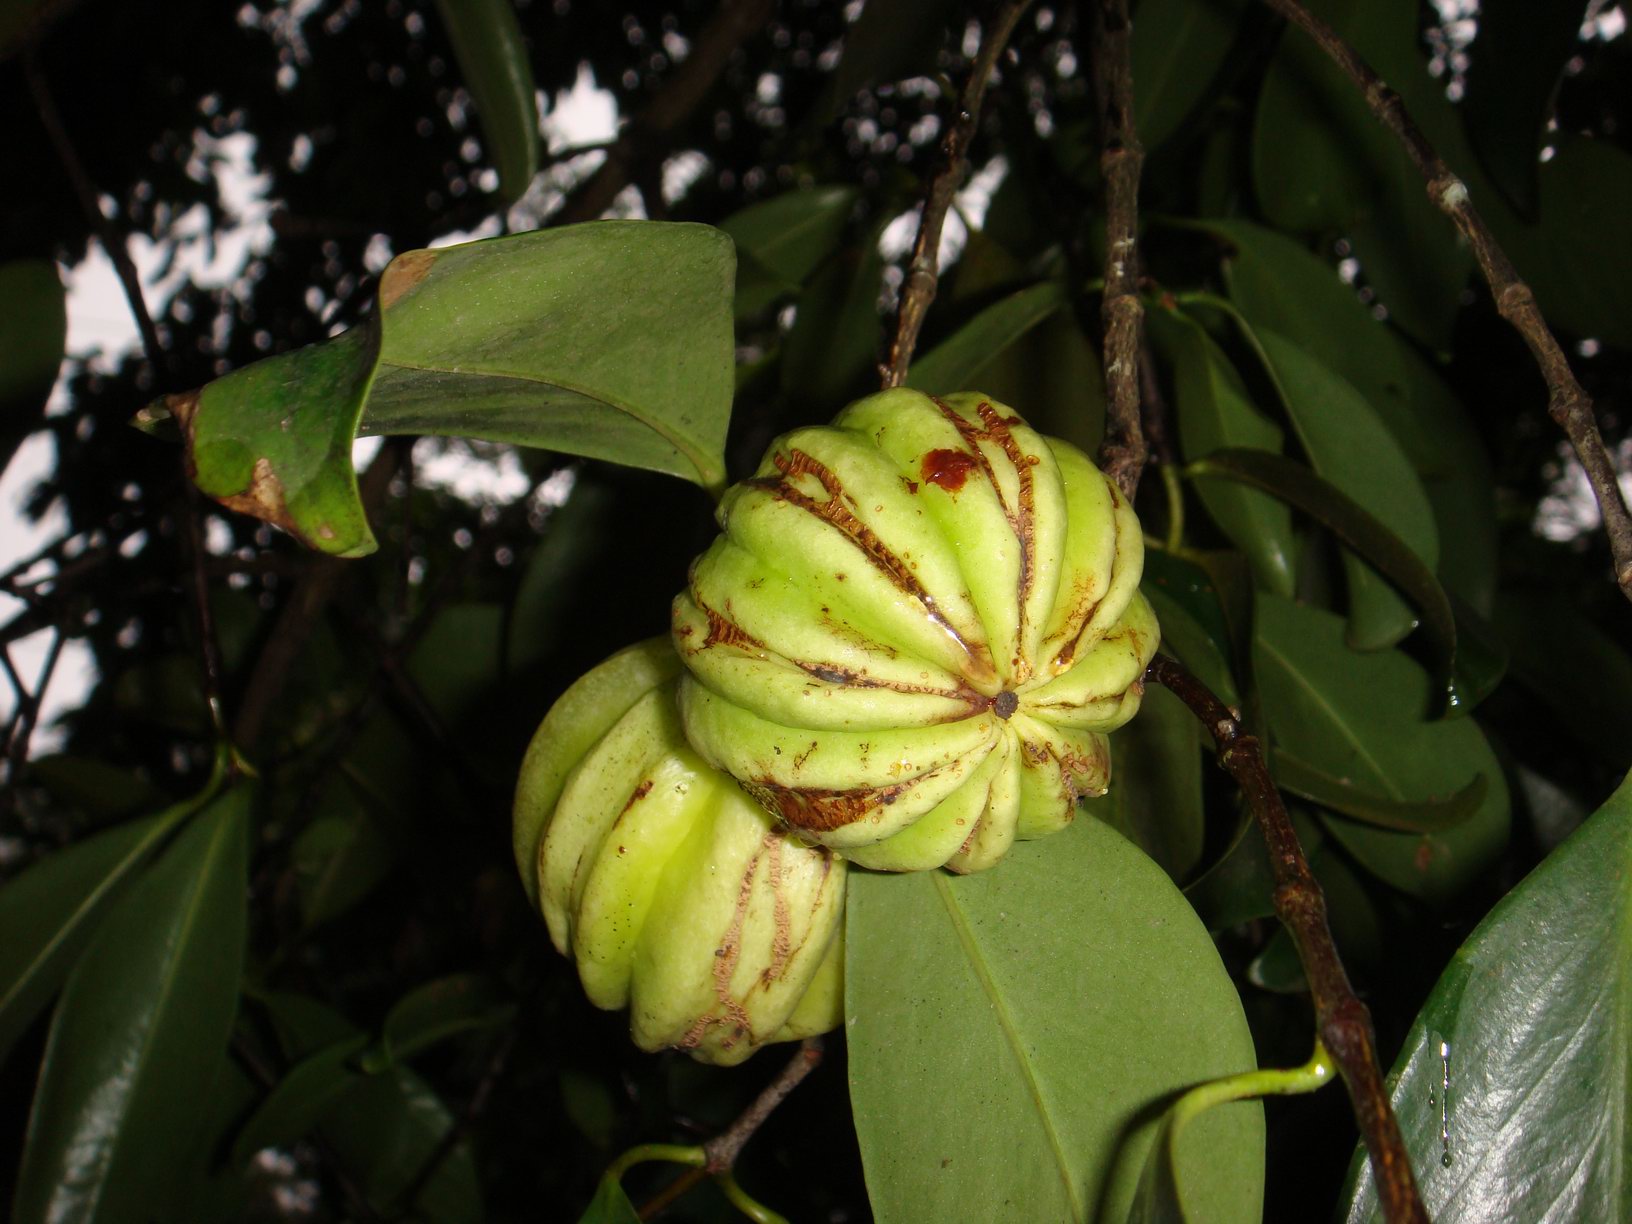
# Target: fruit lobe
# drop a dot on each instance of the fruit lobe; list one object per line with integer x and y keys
{"x": 914, "y": 631}
{"x": 676, "y": 895}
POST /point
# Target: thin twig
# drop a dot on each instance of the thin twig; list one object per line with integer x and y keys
{"x": 923, "y": 272}
{"x": 28, "y": 706}
{"x": 681, "y": 94}
{"x": 1342, "y": 1020}
{"x": 1121, "y": 158}
{"x": 51, "y": 120}
{"x": 209, "y": 646}
{"x": 1568, "y": 405}
{"x": 724, "y": 1148}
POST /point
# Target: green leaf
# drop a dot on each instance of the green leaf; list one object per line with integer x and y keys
{"x": 1353, "y": 525}
{"x": 781, "y": 241}
{"x": 1185, "y": 639}
{"x": 1575, "y": 671}
{"x": 51, "y": 910}
{"x": 1514, "y": 1089}
{"x": 1518, "y": 60}
{"x": 610, "y": 1205}
{"x": 1321, "y": 162}
{"x": 1155, "y": 798}
{"x": 302, "y": 1098}
{"x": 1052, "y": 374}
{"x": 953, "y": 364}
{"x": 1179, "y": 49}
{"x": 1349, "y": 446}
{"x": 140, "y": 1034}
{"x": 1013, "y": 1034}
{"x": 830, "y": 351}
{"x": 1215, "y": 412}
{"x": 1342, "y": 796}
{"x": 1241, "y": 885}
{"x": 492, "y": 57}
{"x": 33, "y": 331}
{"x": 611, "y": 340}
{"x": 447, "y": 1007}
{"x": 339, "y": 857}
{"x": 102, "y": 791}
{"x": 383, "y": 1129}
{"x": 577, "y": 536}
{"x": 1359, "y": 717}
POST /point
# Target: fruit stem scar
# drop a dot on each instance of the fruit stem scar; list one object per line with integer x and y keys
{"x": 1005, "y": 703}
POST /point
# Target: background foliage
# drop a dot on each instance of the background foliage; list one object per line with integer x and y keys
{"x": 401, "y": 1041}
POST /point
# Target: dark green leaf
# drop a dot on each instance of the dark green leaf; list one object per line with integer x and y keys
{"x": 1185, "y": 639}
{"x": 1241, "y": 885}
{"x": 1012, "y": 1035}
{"x": 1322, "y": 162}
{"x": 1342, "y": 796}
{"x": 953, "y": 365}
{"x": 1215, "y": 412}
{"x": 610, "y": 1205}
{"x": 1581, "y": 675}
{"x": 33, "y": 324}
{"x": 302, "y": 1098}
{"x": 611, "y": 340}
{"x": 1298, "y": 486}
{"x": 492, "y": 57}
{"x": 1155, "y": 794}
{"x": 100, "y": 790}
{"x": 1352, "y": 916}
{"x": 1051, "y": 374}
{"x": 781, "y": 241}
{"x": 50, "y": 911}
{"x": 1481, "y": 658}
{"x": 577, "y": 536}
{"x": 140, "y": 1034}
{"x": 461, "y": 1003}
{"x": 1359, "y": 717}
{"x": 1179, "y": 48}
{"x": 1513, "y": 1090}
{"x": 1349, "y": 446}
{"x": 833, "y": 344}
{"x": 338, "y": 858}
{"x": 1517, "y": 62}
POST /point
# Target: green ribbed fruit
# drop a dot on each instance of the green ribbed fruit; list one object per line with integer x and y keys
{"x": 676, "y": 894}
{"x": 915, "y": 630}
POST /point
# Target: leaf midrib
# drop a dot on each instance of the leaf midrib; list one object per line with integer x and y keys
{"x": 1006, "y": 1024}
{"x": 1341, "y": 723}
{"x": 705, "y": 471}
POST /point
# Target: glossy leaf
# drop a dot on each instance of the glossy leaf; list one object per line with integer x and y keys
{"x": 1214, "y": 413}
{"x": 140, "y": 1033}
{"x": 611, "y": 340}
{"x": 781, "y": 241}
{"x": 33, "y": 330}
{"x": 1514, "y": 1090}
{"x": 51, "y": 910}
{"x": 1349, "y": 446}
{"x": 1517, "y": 63}
{"x": 492, "y": 56}
{"x": 1155, "y": 797}
{"x": 1012, "y": 1035}
{"x": 952, "y": 365}
{"x": 1179, "y": 49}
{"x": 1360, "y": 717}
{"x": 1298, "y": 486}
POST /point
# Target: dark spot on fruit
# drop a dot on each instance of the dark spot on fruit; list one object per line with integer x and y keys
{"x": 947, "y": 469}
{"x": 1005, "y": 704}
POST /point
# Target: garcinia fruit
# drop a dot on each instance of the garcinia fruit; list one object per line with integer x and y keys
{"x": 675, "y": 893}
{"x": 915, "y": 630}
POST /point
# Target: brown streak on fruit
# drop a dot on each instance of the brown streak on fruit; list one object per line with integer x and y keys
{"x": 782, "y": 942}
{"x": 724, "y": 632}
{"x": 945, "y": 469}
{"x": 837, "y": 515}
{"x": 818, "y": 810}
